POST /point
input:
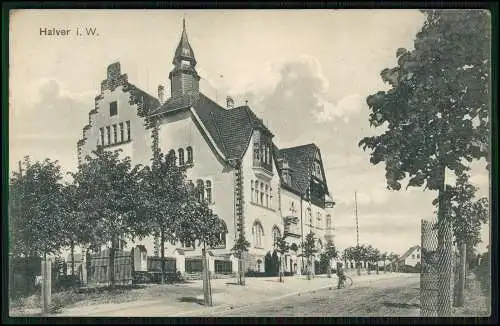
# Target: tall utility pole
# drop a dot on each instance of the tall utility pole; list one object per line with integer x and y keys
{"x": 358, "y": 267}
{"x": 357, "y": 223}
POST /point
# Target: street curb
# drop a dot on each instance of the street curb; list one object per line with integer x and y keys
{"x": 232, "y": 307}
{"x": 228, "y": 306}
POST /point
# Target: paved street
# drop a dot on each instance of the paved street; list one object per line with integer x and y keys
{"x": 386, "y": 297}
{"x": 261, "y": 293}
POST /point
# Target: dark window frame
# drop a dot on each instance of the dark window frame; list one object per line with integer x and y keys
{"x": 113, "y": 108}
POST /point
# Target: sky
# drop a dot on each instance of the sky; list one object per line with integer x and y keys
{"x": 306, "y": 73}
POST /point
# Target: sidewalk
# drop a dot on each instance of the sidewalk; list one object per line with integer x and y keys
{"x": 186, "y": 299}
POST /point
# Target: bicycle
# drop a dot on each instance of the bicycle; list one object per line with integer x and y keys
{"x": 346, "y": 283}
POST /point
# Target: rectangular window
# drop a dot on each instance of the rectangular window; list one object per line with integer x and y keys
{"x": 121, "y": 132}
{"x": 115, "y": 134}
{"x": 271, "y": 198}
{"x": 261, "y": 194}
{"x": 208, "y": 190}
{"x": 108, "y": 133}
{"x": 267, "y": 196}
{"x": 101, "y": 135}
{"x": 128, "y": 130}
{"x": 113, "y": 108}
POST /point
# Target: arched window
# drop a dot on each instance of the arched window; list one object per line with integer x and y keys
{"x": 318, "y": 217}
{"x": 208, "y": 191}
{"x": 200, "y": 188}
{"x": 171, "y": 156}
{"x": 257, "y": 233}
{"x": 181, "y": 156}
{"x": 189, "y": 151}
{"x": 276, "y": 234}
{"x": 267, "y": 196}
{"x": 251, "y": 193}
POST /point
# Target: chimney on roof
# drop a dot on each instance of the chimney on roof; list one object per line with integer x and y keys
{"x": 229, "y": 102}
{"x": 161, "y": 93}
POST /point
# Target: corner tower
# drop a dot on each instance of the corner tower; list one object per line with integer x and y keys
{"x": 184, "y": 80}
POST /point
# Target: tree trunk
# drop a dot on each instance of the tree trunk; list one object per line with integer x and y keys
{"x": 358, "y": 268}
{"x": 377, "y": 268}
{"x": 45, "y": 282}
{"x": 162, "y": 255}
{"x": 445, "y": 268}
{"x": 206, "y": 279}
{"x": 385, "y": 271}
{"x": 280, "y": 270}
{"x": 112, "y": 265}
{"x": 329, "y": 271}
{"x": 368, "y": 268}
{"x": 309, "y": 268}
{"x": 240, "y": 271}
{"x": 72, "y": 258}
{"x": 459, "y": 297}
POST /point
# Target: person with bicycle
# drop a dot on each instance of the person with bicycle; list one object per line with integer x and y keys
{"x": 341, "y": 276}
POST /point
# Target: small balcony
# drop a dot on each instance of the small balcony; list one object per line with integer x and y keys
{"x": 262, "y": 170}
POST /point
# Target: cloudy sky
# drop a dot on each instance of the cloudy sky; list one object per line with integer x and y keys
{"x": 306, "y": 73}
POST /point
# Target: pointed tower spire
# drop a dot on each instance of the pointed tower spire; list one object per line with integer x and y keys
{"x": 184, "y": 79}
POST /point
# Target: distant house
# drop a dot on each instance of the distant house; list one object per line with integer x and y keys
{"x": 411, "y": 257}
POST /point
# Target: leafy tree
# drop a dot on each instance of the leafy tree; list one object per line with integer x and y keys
{"x": 75, "y": 230}
{"x": 467, "y": 213}
{"x": 162, "y": 193}
{"x": 308, "y": 251}
{"x": 282, "y": 247}
{"x": 107, "y": 192}
{"x": 384, "y": 256}
{"x": 394, "y": 261}
{"x": 355, "y": 253}
{"x": 198, "y": 224}
{"x": 241, "y": 245}
{"x": 35, "y": 214}
{"x": 373, "y": 257}
{"x": 436, "y": 114}
{"x": 329, "y": 254}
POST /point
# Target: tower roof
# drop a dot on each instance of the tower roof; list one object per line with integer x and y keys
{"x": 184, "y": 50}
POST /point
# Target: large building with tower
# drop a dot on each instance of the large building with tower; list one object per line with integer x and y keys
{"x": 228, "y": 150}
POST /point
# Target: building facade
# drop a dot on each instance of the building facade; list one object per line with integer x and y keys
{"x": 411, "y": 257}
{"x": 228, "y": 151}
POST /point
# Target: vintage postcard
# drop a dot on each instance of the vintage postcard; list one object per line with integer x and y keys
{"x": 283, "y": 163}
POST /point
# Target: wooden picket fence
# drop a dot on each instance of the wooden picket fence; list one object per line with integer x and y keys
{"x": 99, "y": 267}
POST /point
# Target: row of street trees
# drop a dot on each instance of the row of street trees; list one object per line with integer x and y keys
{"x": 371, "y": 255}
{"x": 106, "y": 200}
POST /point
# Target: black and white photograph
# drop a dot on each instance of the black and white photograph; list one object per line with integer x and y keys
{"x": 249, "y": 163}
